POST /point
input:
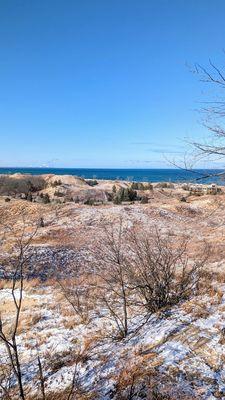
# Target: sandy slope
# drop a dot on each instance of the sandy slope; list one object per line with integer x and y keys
{"x": 184, "y": 345}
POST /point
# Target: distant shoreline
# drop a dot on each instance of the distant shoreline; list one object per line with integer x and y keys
{"x": 137, "y": 175}
{"x": 106, "y": 169}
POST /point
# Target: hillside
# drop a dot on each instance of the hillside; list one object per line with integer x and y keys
{"x": 72, "y": 316}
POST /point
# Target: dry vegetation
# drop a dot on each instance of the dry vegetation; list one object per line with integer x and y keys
{"x": 112, "y": 301}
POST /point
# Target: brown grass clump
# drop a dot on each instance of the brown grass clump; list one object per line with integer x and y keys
{"x": 196, "y": 308}
{"x": 63, "y": 395}
{"x": 139, "y": 379}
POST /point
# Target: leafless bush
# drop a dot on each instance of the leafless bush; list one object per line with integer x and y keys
{"x": 9, "y": 339}
{"x": 110, "y": 263}
{"x": 12, "y": 380}
{"x": 143, "y": 270}
{"x": 160, "y": 271}
{"x": 10, "y": 186}
{"x": 165, "y": 185}
{"x": 138, "y": 379}
{"x": 77, "y": 292}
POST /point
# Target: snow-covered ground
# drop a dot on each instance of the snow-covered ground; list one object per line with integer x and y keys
{"x": 184, "y": 345}
{"x": 180, "y": 350}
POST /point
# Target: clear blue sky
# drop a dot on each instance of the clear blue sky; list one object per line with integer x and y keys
{"x": 103, "y": 83}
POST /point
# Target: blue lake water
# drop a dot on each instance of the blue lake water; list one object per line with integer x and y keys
{"x": 138, "y": 175}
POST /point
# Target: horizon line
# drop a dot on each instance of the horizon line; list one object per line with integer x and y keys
{"x": 114, "y": 168}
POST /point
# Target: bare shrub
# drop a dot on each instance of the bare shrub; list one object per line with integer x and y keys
{"x": 9, "y": 338}
{"x": 124, "y": 194}
{"x": 146, "y": 269}
{"x": 55, "y": 183}
{"x": 110, "y": 264}
{"x": 144, "y": 200}
{"x": 138, "y": 379}
{"x": 91, "y": 182}
{"x": 10, "y": 186}
{"x": 77, "y": 294}
{"x": 141, "y": 186}
{"x": 160, "y": 272}
{"x": 165, "y": 185}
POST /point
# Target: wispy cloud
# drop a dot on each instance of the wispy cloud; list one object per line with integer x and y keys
{"x": 166, "y": 150}
{"x": 144, "y": 162}
{"x": 161, "y": 148}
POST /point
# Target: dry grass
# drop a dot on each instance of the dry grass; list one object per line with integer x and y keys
{"x": 63, "y": 395}
{"x": 137, "y": 372}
